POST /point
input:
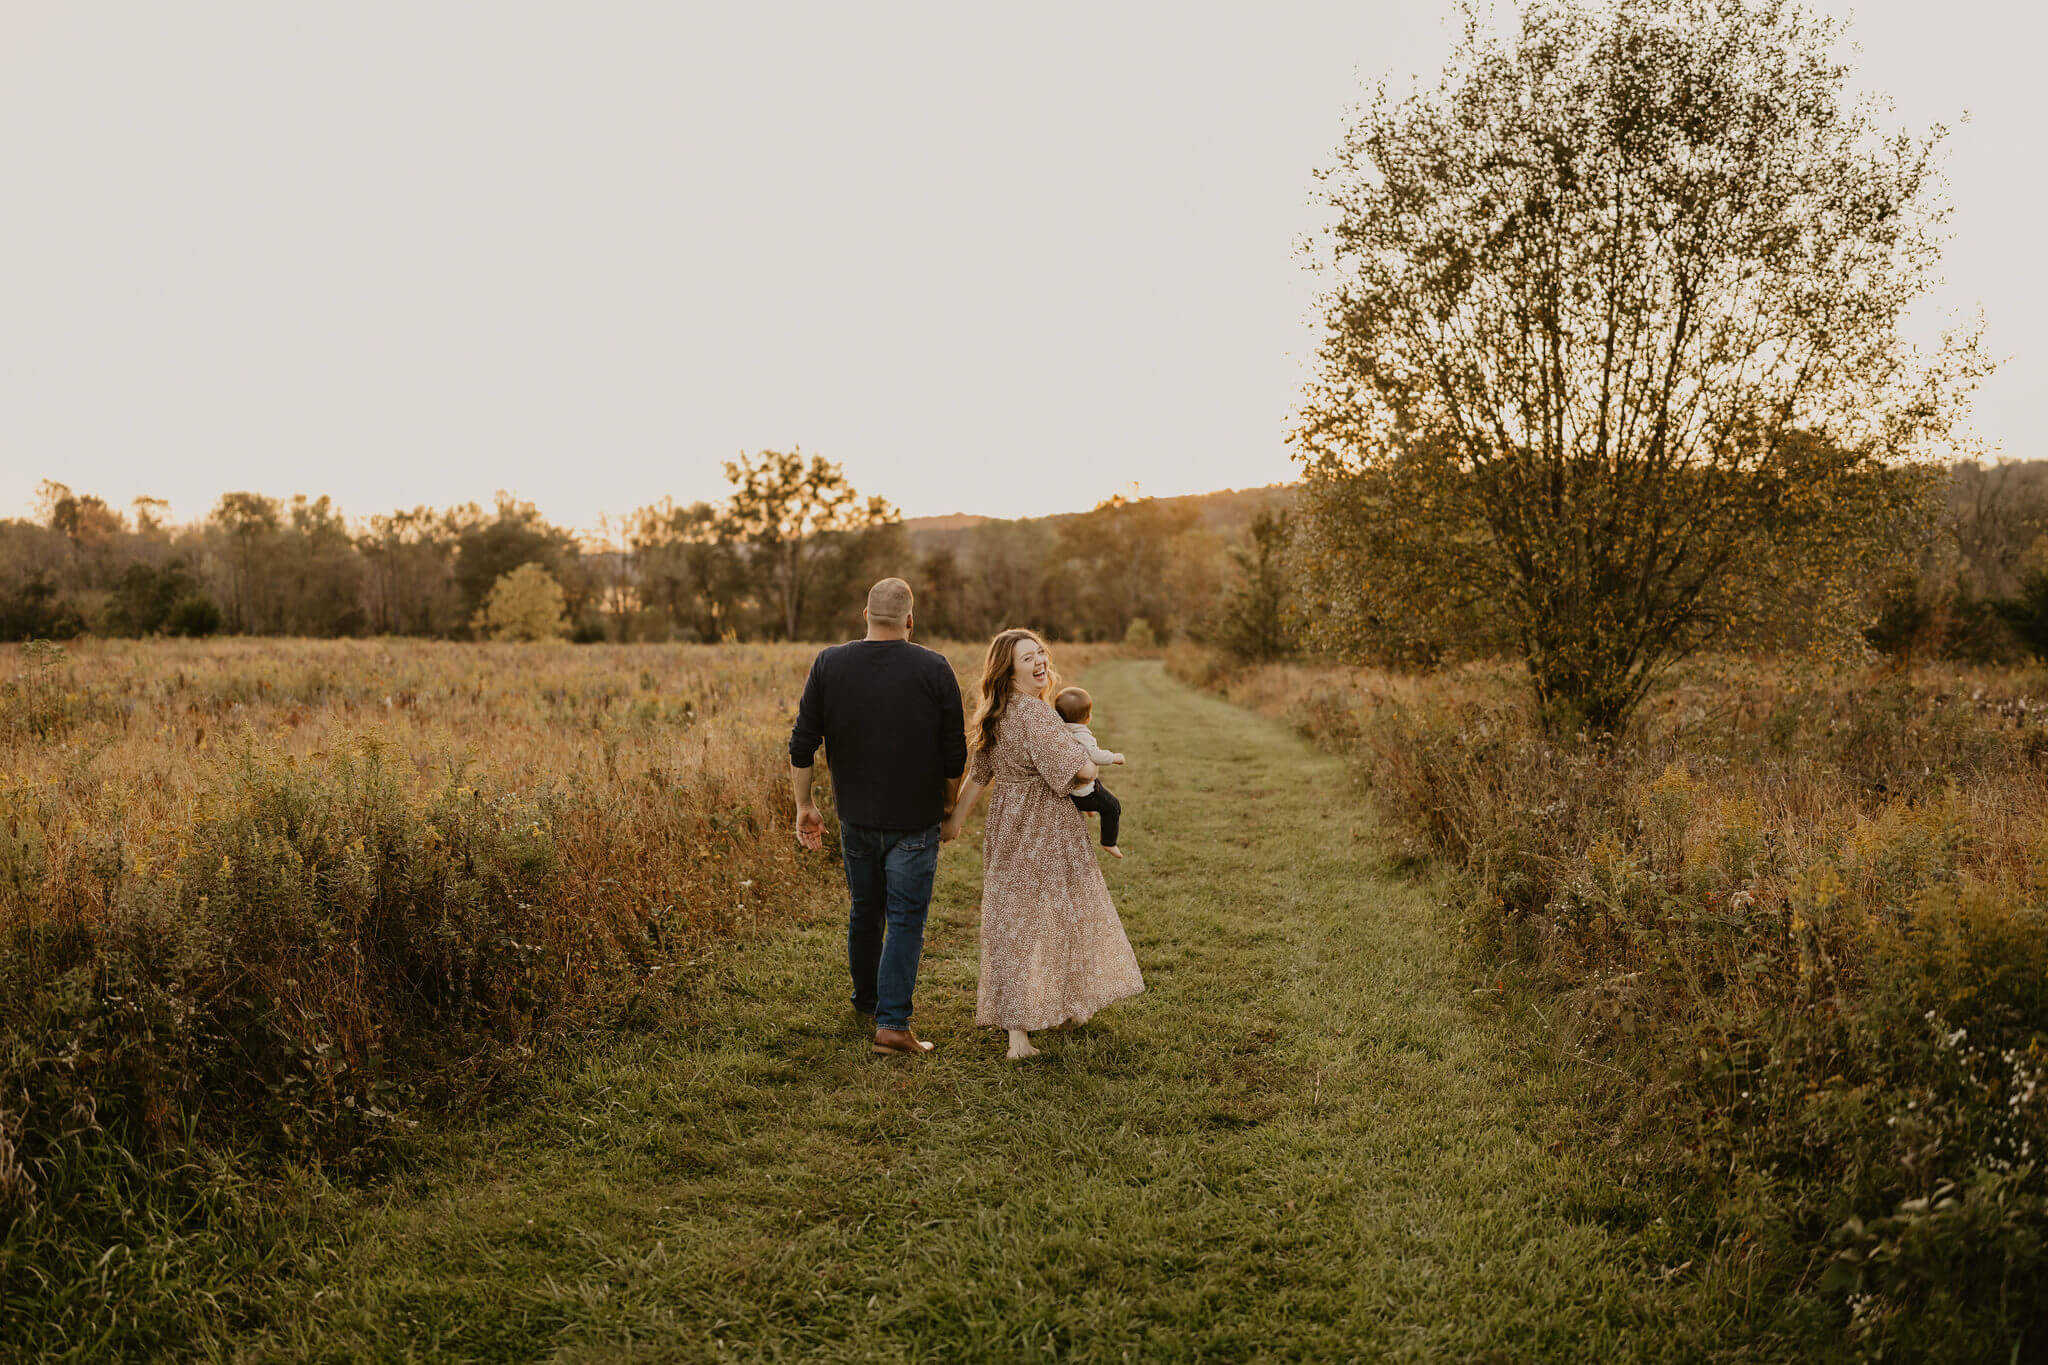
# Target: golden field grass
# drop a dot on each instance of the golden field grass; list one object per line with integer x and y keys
{"x": 1300, "y": 1143}
{"x": 111, "y": 751}
{"x": 290, "y": 896}
{"x": 1790, "y": 935}
{"x": 271, "y": 902}
{"x": 267, "y": 906}
{"x": 658, "y": 764}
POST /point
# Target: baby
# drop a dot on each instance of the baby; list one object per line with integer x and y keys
{"x": 1075, "y": 707}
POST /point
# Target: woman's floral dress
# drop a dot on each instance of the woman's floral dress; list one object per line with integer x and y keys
{"x": 1052, "y": 948}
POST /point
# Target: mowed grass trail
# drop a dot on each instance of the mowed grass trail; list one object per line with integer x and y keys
{"x": 1301, "y": 1142}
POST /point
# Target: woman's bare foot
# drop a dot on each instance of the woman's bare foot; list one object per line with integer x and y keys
{"x": 1020, "y": 1046}
{"x": 1113, "y": 850}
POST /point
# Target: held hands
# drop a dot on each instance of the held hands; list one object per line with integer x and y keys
{"x": 959, "y": 805}
{"x": 810, "y": 827}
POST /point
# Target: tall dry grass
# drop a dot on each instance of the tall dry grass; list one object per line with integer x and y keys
{"x": 291, "y": 895}
{"x": 1791, "y": 934}
{"x": 284, "y": 899}
{"x": 269, "y": 904}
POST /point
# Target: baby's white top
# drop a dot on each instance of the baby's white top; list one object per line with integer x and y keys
{"x": 1096, "y": 753}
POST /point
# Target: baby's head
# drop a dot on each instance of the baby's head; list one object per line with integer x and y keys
{"x": 1074, "y": 705}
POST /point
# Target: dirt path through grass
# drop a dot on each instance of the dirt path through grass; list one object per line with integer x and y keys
{"x": 1300, "y": 1142}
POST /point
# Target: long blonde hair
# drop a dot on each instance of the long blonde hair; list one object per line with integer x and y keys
{"x": 998, "y": 683}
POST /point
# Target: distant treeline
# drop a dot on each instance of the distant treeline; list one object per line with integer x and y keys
{"x": 788, "y": 555}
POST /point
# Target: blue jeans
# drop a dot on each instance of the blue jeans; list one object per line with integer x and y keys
{"x": 889, "y": 876}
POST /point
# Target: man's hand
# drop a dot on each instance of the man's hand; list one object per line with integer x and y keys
{"x": 810, "y": 826}
{"x": 950, "y": 830}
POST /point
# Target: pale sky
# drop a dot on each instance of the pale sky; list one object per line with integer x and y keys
{"x": 1005, "y": 259}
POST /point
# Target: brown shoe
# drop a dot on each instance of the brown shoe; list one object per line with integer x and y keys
{"x": 891, "y": 1042}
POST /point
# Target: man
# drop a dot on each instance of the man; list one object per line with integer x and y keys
{"x": 888, "y": 714}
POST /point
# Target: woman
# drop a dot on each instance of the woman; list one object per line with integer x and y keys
{"x": 1052, "y": 949}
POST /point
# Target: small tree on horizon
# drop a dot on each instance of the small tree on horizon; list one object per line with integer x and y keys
{"x": 525, "y": 604}
{"x": 1613, "y": 368}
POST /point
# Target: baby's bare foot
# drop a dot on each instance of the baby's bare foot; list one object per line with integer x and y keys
{"x": 1113, "y": 850}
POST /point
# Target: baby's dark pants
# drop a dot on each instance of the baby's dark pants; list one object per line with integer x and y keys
{"x": 1105, "y": 805}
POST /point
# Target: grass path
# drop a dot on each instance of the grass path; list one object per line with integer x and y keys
{"x": 1301, "y": 1142}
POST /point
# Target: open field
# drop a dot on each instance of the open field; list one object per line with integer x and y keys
{"x": 1789, "y": 939}
{"x": 268, "y": 905}
{"x": 1300, "y": 1143}
{"x": 328, "y": 966}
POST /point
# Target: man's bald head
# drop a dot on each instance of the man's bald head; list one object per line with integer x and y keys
{"x": 889, "y": 603}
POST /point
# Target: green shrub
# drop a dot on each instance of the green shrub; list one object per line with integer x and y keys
{"x": 195, "y": 617}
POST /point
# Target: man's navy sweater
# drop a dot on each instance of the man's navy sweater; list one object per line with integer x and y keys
{"x": 888, "y": 714}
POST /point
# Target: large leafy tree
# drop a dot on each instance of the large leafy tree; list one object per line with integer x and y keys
{"x": 1613, "y": 366}
{"x": 792, "y": 514}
